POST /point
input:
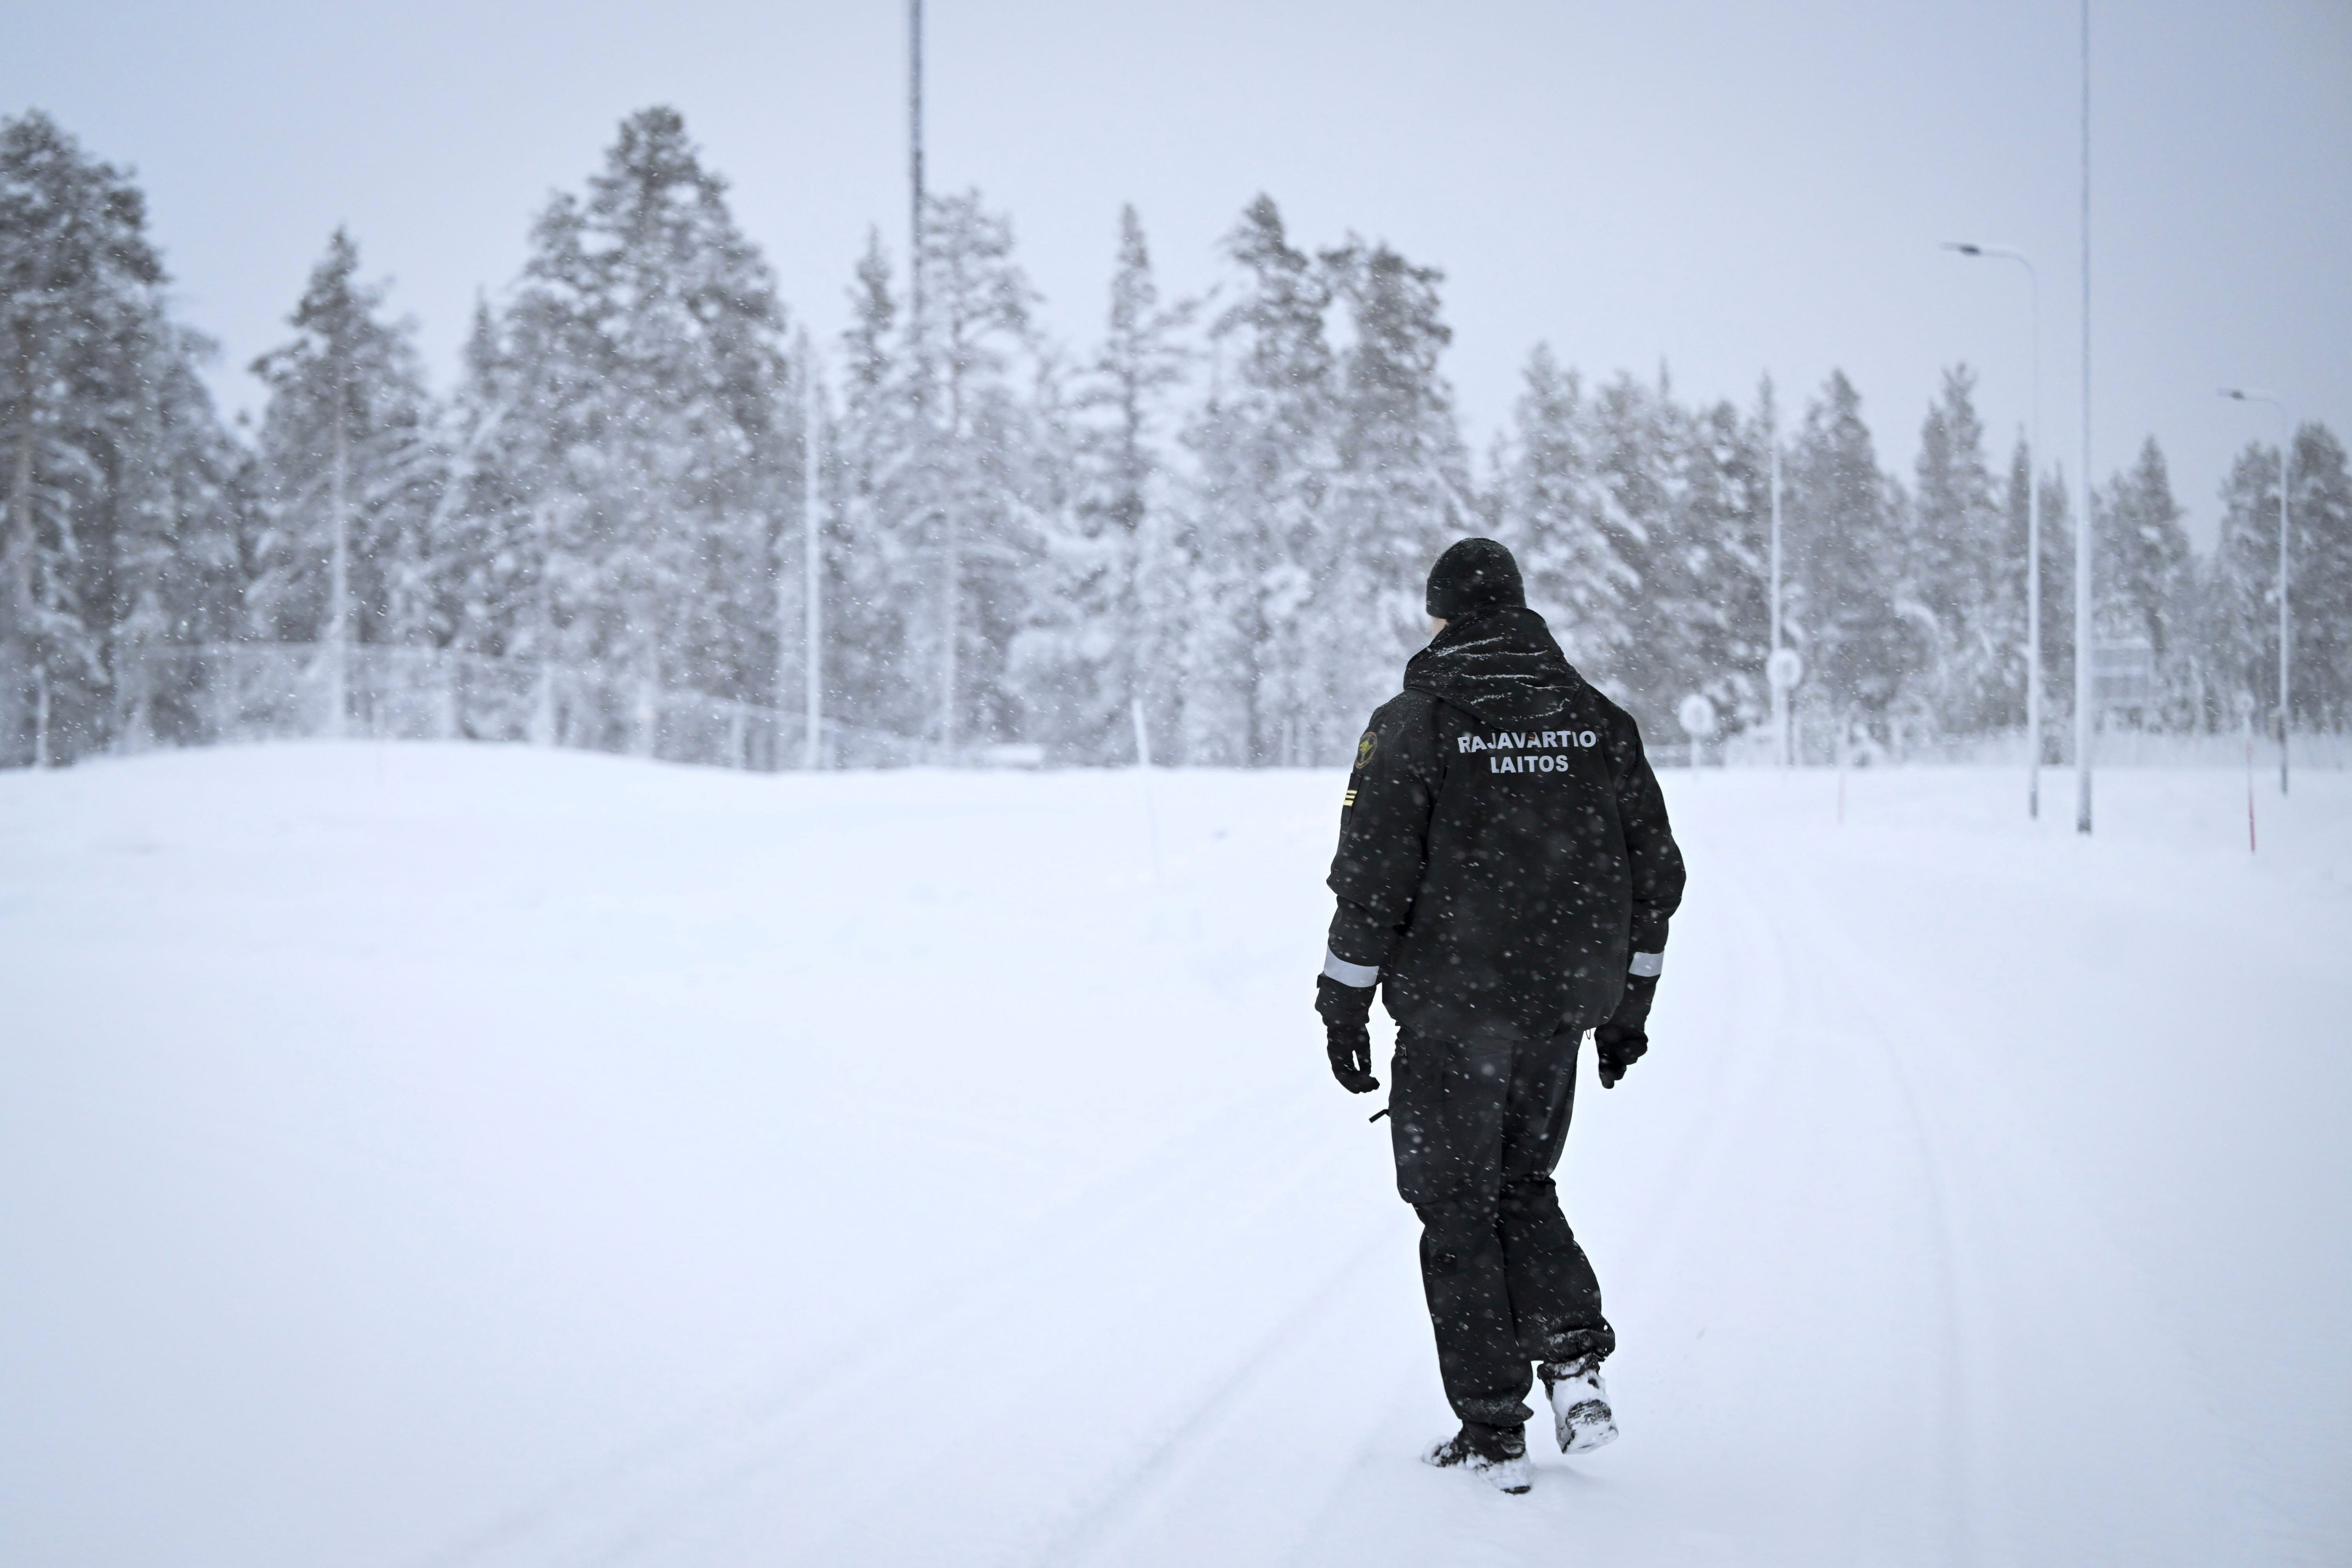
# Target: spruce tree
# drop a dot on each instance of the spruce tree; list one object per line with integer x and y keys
{"x": 875, "y": 573}
{"x": 119, "y": 506}
{"x": 488, "y": 560}
{"x": 985, "y": 476}
{"x": 1844, "y": 557}
{"x": 1108, "y": 623}
{"x": 651, "y": 375}
{"x": 2320, "y": 593}
{"x": 2144, "y": 582}
{"x": 1720, "y": 574}
{"x": 1547, "y": 513}
{"x": 1955, "y": 572}
{"x": 2242, "y": 599}
{"x": 1400, "y": 491}
{"x": 349, "y": 470}
{"x": 1632, "y": 447}
{"x": 2057, "y": 564}
{"x": 1264, "y": 443}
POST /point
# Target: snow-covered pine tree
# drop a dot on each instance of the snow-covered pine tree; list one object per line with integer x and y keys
{"x": 349, "y": 470}
{"x": 2240, "y": 601}
{"x": 1718, "y": 575}
{"x": 1634, "y": 506}
{"x": 985, "y": 474}
{"x": 2144, "y": 583}
{"x": 118, "y": 497}
{"x": 1843, "y": 553}
{"x": 179, "y": 562}
{"x": 2057, "y": 575}
{"x": 2057, "y": 604}
{"x": 648, "y": 347}
{"x": 1966, "y": 589}
{"x": 488, "y": 565}
{"x": 2240, "y": 604}
{"x": 1399, "y": 492}
{"x": 2320, "y": 593}
{"x": 1547, "y": 513}
{"x": 1107, "y": 627}
{"x": 875, "y": 572}
{"x": 1265, "y": 449}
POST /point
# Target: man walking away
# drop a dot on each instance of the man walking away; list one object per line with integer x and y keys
{"x": 1505, "y": 877}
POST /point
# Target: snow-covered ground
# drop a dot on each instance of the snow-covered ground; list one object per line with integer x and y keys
{"x": 452, "y": 1156}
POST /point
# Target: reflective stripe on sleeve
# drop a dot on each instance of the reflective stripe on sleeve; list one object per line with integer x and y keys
{"x": 1357, "y": 974}
{"x": 1646, "y": 964}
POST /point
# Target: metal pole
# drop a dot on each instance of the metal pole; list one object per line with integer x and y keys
{"x": 1780, "y": 693}
{"x": 2083, "y": 514}
{"x": 950, "y": 566}
{"x": 811, "y": 569}
{"x": 915, "y": 167}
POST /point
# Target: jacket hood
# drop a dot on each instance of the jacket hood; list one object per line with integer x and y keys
{"x": 1499, "y": 664}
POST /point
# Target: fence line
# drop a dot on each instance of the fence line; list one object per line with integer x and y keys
{"x": 211, "y": 693}
{"x": 1816, "y": 746}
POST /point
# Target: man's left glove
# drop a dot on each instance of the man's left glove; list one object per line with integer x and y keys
{"x": 1619, "y": 1043}
{"x": 1346, "y": 1012}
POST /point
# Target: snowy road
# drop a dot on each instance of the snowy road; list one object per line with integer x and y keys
{"x": 490, "y": 1159}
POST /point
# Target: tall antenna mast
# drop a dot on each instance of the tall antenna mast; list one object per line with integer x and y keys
{"x": 2084, "y": 638}
{"x": 949, "y": 568}
{"x": 915, "y": 169}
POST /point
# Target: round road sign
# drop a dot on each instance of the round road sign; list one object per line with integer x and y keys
{"x": 1697, "y": 717}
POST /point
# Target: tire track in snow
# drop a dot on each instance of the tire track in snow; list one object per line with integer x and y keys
{"x": 650, "y": 1503}
{"x": 1827, "y": 951}
{"x": 691, "y": 1456}
{"x": 1755, "y": 1037}
{"x": 1071, "y": 1544}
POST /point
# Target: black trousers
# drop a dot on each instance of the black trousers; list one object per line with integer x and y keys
{"x": 1478, "y": 1132}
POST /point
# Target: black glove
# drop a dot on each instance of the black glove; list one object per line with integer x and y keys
{"x": 1619, "y": 1043}
{"x": 1347, "y": 1010}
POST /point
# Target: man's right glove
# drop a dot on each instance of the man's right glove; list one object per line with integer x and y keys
{"x": 1619, "y": 1043}
{"x": 1346, "y": 1012}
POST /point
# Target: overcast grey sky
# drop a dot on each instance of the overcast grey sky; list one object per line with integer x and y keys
{"x": 1725, "y": 189}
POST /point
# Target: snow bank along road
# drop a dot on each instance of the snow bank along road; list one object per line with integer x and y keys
{"x": 478, "y": 1158}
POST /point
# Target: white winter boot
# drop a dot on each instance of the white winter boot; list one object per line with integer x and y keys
{"x": 1498, "y": 1454}
{"x": 1579, "y": 1405}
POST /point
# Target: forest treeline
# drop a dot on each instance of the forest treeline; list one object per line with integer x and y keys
{"x": 1220, "y": 511}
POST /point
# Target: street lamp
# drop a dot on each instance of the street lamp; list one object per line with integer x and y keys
{"x": 2286, "y": 459}
{"x": 2032, "y": 524}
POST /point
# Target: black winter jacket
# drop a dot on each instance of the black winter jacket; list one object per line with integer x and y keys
{"x": 1503, "y": 851}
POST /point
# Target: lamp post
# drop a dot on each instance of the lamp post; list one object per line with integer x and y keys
{"x": 2286, "y": 461}
{"x": 2032, "y": 523}
{"x": 2082, "y": 516}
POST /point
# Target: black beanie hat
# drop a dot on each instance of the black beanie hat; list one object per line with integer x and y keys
{"x": 1474, "y": 575}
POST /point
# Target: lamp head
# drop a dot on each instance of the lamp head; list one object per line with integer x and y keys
{"x": 1963, "y": 247}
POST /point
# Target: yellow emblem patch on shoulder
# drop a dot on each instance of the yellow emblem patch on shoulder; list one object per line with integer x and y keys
{"x": 1367, "y": 746}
